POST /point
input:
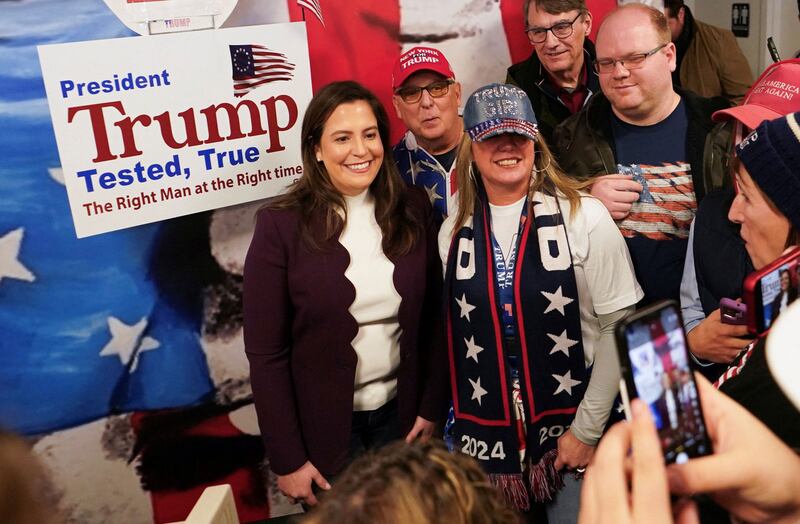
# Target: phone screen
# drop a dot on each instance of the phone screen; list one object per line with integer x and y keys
{"x": 659, "y": 365}
{"x": 777, "y": 289}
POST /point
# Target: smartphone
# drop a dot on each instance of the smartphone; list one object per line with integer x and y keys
{"x": 654, "y": 359}
{"x": 770, "y": 290}
{"x": 732, "y": 312}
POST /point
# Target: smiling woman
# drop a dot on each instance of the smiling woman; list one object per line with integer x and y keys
{"x": 537, "y": 275}
{"x": 351, "y": 148}
{"x": 337, "y": 270}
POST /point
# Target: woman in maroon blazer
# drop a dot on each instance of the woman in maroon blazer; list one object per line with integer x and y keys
{"x": 342, "y": 290}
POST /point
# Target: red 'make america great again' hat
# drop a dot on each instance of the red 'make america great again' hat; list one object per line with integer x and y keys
{"x": 776, "y": 93}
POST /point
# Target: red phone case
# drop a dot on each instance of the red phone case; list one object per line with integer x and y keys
{"x": 753, "y": 300}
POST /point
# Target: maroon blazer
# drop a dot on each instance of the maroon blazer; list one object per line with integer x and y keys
{"x": 298, "y": 333}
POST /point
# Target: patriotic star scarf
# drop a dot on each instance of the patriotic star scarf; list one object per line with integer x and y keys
{"x": 551, "y": 371}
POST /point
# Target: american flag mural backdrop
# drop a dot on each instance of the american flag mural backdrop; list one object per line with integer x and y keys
{"x": 124, "y": 348}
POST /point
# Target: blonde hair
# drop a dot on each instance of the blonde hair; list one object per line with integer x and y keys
{"x": 420, "y": 483}
{"x": 547, "y": 177}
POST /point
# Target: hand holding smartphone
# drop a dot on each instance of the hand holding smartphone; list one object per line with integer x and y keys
{"x": 732, "y": 312}
{"x": 654, "y": 360}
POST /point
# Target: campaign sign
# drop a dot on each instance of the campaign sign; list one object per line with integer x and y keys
{"x": 159, "y": 127}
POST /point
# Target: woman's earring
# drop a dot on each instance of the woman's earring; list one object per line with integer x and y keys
{"x": 534, "y": 170}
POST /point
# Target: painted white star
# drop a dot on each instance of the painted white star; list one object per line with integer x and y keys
{"x": 477, "y": 391}
{"x": 472, "y": 348}
{"x": 433, "y": 196}
{"x": 563, "y": 343}
{"x": 57, "y": 174}
{"x": 565, "y": 383}
{"x": 127, "y": 341}
{"x": 10, "y": 266}
{"x": 465, "y": 306}
{"x": 557, "y": 301}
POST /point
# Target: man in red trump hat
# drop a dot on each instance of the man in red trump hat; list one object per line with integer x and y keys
{"x": 426, "y": 98}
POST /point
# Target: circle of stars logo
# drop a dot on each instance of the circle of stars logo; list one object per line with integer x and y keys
{"x": 242, "y": 61}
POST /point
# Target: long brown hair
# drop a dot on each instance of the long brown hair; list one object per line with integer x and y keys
{"x": 547, "y": 178}
{"x": 314, "y": 196}
{"x": 420, "y": 483}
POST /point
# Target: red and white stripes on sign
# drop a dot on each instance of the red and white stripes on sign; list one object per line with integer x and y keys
{"x": 268, "y": 66}
{"x": 314, "y": 7}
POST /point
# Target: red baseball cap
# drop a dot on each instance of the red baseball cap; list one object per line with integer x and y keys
{"x": 776, "y": 93}
{"x": 420, "y": 59}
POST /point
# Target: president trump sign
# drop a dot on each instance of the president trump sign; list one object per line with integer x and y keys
{"x": 155, "y": 128}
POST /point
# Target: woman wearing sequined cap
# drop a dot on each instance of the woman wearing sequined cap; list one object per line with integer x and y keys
{"x": 536, "y": 277}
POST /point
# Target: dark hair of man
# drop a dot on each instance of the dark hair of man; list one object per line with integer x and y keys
{"x": 315, "y": 197}
{"x": 674, "y": 6}
{"x": 554, "y": 7}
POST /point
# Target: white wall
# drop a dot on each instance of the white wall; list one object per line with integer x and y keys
{"x": 776, "y": 18}
{"x": 718, "y": 12}
{"x": 785, "y": 27}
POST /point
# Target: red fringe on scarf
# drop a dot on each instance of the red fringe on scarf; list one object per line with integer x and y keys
{"x": 513, "y": 488}
{"x": 544, "y": 479}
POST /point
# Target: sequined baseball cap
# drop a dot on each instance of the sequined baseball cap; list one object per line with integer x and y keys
{"x": 495, "y": 109}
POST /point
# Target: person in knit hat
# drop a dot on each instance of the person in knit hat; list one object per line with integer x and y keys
{"x": 768, "y": 201}
{"x": 716, "y": 260}
{"x": 767, "y": 208}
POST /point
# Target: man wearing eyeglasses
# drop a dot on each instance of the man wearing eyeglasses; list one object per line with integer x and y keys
{"x": 710, "y": 62}
{"x": 557, "y": 77}
{"x": 651, "y": 150}
{"x": 426, "y": 98}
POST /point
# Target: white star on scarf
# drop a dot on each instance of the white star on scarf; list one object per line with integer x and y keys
{"x": 557, "y": 301}
{"x": 562, "y": 343}
{"x": 433, "y": 196}
{"x": 472, "y": 348}
{"x": 565, "y": 383}
{"x": 477, "y": 391}
{"x": 10, "y": 266}
{"x": 465, "y": 306}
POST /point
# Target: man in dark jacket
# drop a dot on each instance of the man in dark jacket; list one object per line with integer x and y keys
{"x": 710, "y": 62}
{"x": 558, "y": 76}
{"x": 652, "y": 151}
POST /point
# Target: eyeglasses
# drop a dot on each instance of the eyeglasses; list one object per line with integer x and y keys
{"x": 635, "y": 61}
{"x": 413, "y": 94}
{"x": 561, "y": 30}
